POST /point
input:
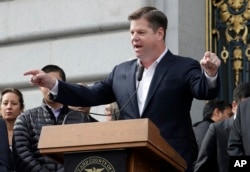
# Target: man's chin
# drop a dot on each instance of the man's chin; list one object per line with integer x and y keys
{"x": 139, "y": 56}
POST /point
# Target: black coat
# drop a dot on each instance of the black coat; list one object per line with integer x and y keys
{"x": 4, "y": 148}
{"x": 200, "y": 128}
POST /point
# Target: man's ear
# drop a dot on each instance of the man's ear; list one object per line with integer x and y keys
{"x": 216, "y": 112}
{"x": 160, "y": 33}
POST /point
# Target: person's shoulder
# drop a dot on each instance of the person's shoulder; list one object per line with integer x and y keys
{"x": 1, "y": 119}
{"x": 33, "y": 109}
{"x": 220, "y": 123}
{"x": 182, "y": 58}
{"x": 213, "y": 127}
{"x": 245, "y": 102}
{"x": 185, "y": 61}
{"x": 226, "y": 123}
{"x": 128, "y": 62}
{"x": 2, "y": 122}
{"x": 30, "y": 114}
{"x": 244, "y": 107}
{"x": 125, "y": 65}
{"x": 201, "y": 123}
{"x": 196, "y": 124}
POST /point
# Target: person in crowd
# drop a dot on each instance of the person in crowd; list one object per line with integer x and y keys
{"x": 239, "y": 138}
{"x": 213, "y": 111}
{"x": 5, "y": 163}
{"x": 28, "y": 127}
{"x": 213, "y": 154}
{"x": 12, "y": 105}
{"x": 111, "y": 111}
{"x": 163, "y": 90}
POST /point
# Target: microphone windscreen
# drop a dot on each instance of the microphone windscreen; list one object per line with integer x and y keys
{"x": 140, "y": 72}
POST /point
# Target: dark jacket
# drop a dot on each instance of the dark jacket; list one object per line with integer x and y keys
{"x": 213, "y": 154}
{"x": 27, "y": 131}
{"x": 176, "y": 81}
{"x": 239, "y": 138}
{"x": 4, "y": 148}
{"x": 200, "y": 129}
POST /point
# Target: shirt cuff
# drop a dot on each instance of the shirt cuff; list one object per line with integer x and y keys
{"x": 54, "y": 90}
{"x": 211, "y": 80}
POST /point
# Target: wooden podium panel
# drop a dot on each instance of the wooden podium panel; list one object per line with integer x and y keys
{"x": 139, "y": 137}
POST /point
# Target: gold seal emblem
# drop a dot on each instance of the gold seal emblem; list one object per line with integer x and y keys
{"x": 94, "y": 164}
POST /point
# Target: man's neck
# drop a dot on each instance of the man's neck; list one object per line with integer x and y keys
{"x": 54, "y": 105}
{"x": 147, "y": 62}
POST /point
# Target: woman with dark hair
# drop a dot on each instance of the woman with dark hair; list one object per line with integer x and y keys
{"x": 12, "y": 105}
{"x": 4, "y": 148}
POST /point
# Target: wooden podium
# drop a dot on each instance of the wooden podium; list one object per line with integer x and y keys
{"x": 118, "y": 146}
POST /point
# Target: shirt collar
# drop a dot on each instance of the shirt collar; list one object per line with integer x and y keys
{"x": 55, "y": 110}
{"x": 157, "y": 60}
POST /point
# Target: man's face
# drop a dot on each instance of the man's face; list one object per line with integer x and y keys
{"x": 144, "y": 40}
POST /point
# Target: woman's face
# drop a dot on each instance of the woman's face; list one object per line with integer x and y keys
{"x": 10, "y": 106}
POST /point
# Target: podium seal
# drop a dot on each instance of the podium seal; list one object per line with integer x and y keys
{"x": 94, "y": 164}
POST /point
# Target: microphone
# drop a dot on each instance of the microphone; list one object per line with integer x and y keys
{"x": 140, "y": 71}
